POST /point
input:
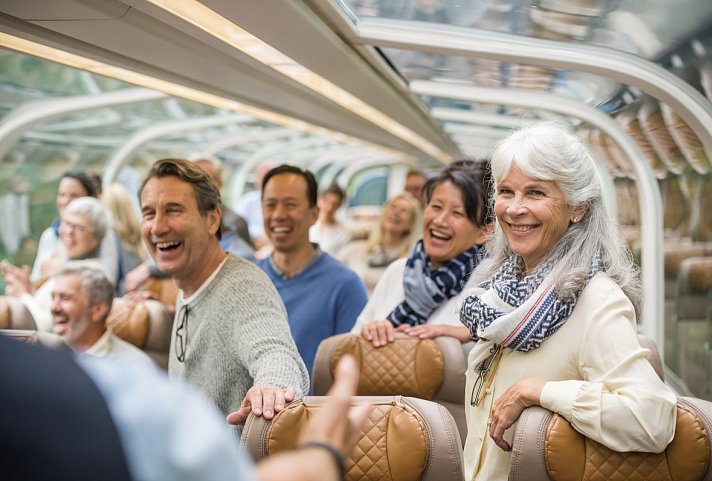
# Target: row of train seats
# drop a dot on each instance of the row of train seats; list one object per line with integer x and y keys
{"x": 688, "y": 303}
{"x": 409, "y": 434}
{"x": 146, "y": 325}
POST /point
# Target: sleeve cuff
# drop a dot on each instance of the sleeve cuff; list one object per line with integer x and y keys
{"x": 559, "y": 396}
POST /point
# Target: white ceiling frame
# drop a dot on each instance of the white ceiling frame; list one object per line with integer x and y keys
{"x": 621, "y": 66}
{"x": 163, "y": 129}
{"x": 31, "y": 114}
{"x": 652, "y": 321}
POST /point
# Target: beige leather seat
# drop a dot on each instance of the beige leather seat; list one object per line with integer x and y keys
{"x": 431, "y": 369}
{"x": 147, "y": 325}
{"x": 404, "y": 439}
{"x": 547, "y": 448}
{"x": 14, "y": 314}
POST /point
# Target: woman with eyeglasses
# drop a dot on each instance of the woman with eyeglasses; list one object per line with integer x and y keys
{"x": 72, "y": 185}
{"x": 83, "y": 225}
{"x": 554, "y": 309}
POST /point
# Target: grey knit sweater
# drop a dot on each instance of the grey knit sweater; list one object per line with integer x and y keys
{"x": 238, "y": 336}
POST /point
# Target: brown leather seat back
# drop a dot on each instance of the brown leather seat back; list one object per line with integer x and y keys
{"x": 14, "y": 314}
{"x": 146, "y": 325}
{"x": 403, "y": 439}
{"x": 432, "y": 369}
{"x": 547, "y": 448}
{"x": 164, "y": 289}
{"x": 654, "y": 358}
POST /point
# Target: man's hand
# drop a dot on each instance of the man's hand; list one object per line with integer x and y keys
{"x": 337, "y": 423}
{"x": 137, "y": 277}
{"x": 263, "y": 401}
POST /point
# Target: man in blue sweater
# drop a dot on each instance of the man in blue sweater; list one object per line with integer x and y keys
{"x": 323, "y": 297}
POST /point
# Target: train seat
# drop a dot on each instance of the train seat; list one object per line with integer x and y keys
{"x": 675, "y": 254}
{"x": 547, "y": 448}
{"x": 146, "y": 325}
{"x": 163, "y": 289}
{"x": 14, "y": 314}
{"x": 403, "y": 438}
{"x": 431, "y": 369}
{"x": 694, "y": 287}
{"x": 654, "y": 358}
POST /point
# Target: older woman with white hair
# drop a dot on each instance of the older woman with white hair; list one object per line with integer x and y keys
{"x": 83, "y": 225}
{"x": 554, "y": 309}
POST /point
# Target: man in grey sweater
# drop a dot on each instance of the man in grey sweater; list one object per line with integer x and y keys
{"x": 230, "y": 336}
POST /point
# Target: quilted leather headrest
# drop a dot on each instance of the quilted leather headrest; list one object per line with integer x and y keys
{"x": 402, "y": 440}
{"x": 46, "y": 339}
{"x": 409, "y": 367}
{"x": 14, "y": 314}
{"x": 569, "y": 456}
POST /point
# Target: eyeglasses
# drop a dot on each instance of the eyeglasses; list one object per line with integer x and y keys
{"x": 70, "y": 226}
{"x": 485, "y": 377}
{"x": 181, "y": 342}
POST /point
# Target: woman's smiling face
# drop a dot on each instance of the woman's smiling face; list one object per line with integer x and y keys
{"x": 532, "y": 213}
{"x": 447, "y": 231}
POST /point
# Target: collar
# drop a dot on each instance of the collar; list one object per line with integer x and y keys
{"x": 203, "y": 286}
{"x": 317, "y": 254}
{"x": 101, "y": 347}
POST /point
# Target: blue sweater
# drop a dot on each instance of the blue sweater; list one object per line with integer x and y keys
{"x": 322, "y": 300}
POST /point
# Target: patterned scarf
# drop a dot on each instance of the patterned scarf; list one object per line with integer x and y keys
{"x": 425, "y": 288}
{"x": 526, "y": 311}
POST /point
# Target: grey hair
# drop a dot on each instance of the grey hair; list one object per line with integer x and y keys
{"x": 547, "y": 151}
{"x": 95, "y": 284}
{"x": 98, "y": 215}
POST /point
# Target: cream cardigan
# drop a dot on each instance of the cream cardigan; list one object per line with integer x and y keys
{"x": 598, "y": 378}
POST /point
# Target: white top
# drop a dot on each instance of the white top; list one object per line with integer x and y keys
{"x": 114, "y": 349}
{"x": 330, "y": 239}
{"x": 389, "y": 293}
{"x": 598, "y": 377}
{"x": 355, "y": 257}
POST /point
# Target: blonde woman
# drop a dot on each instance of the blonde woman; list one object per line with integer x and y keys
{"x": 392, "y": 237}
{"x": 119, "y": 203}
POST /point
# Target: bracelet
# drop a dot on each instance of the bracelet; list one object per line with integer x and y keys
{"x": 335, "y": 455}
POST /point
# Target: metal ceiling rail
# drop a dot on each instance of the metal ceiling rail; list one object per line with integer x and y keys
{"x": 627, "y": 68}
{"x": 651, "y": 211}
{"x": 479, "y": 118}
{"x": 242, "y": 138}
{"x": 27, "y": 116}
{"x": 163, "y": 129}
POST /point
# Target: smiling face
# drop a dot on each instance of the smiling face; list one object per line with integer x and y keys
{"x": 176, "y": 234}
{"x": 286, "y": 211}
{"x": 78, "y": 323}
{"x": 398, "y": 217}
{"x": 533, "y": 215}
{"x": 447, "y": 231}
{"x": 69, "y": 189}
{"x": 77, "y": 236}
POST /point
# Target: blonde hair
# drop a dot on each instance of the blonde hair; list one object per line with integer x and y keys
{"x": 410, "y": 238}
{"x": 120, "y": 204}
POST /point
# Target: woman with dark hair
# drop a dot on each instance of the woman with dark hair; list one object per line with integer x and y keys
{"x": 553, "y": 311}
{"x": 417, "y": 295}
{"x": 328, "y": 232}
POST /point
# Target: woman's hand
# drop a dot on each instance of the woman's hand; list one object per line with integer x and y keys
{"x": 429, "y": 331}
{"x": 507, "y": 409}
{"x": 379, "y": 333}
{"x": 17, "y": 279}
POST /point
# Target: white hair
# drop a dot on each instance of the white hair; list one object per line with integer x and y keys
{"x": 547, "y": 151}
{"x": 99, "y": 217}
